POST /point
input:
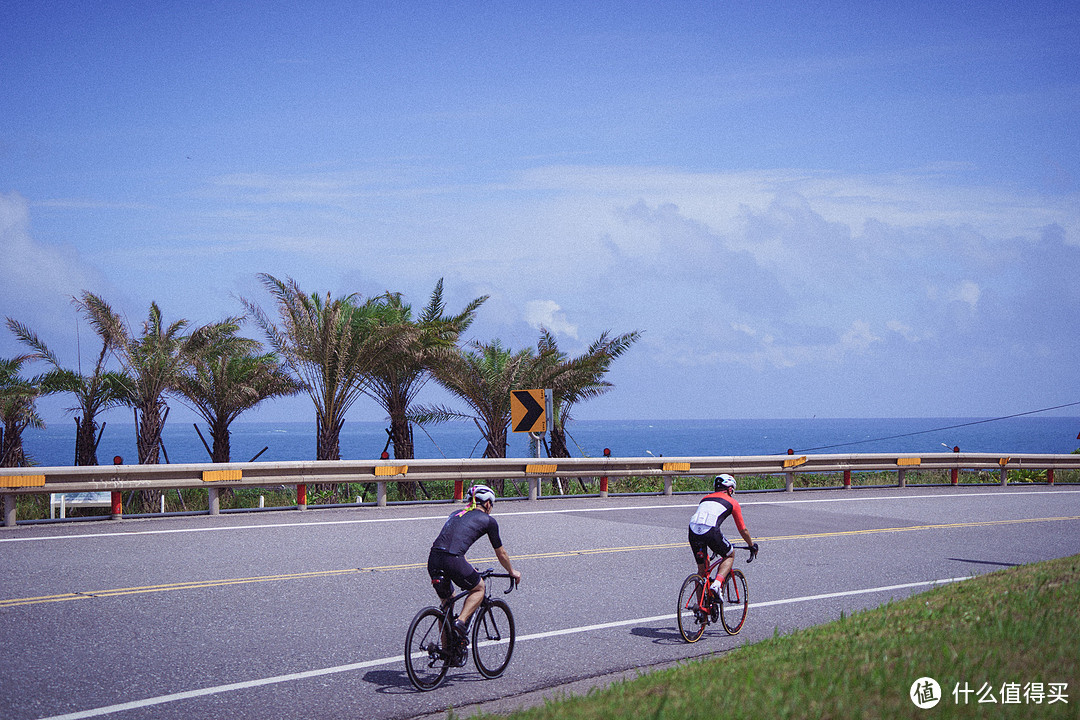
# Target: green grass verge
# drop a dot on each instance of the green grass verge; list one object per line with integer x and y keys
{"x": 1014, "y": 626}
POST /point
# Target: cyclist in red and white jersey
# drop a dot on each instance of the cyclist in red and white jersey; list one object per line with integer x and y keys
{"x": 705, "y": 533}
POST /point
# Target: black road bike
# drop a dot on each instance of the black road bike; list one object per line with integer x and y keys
{"x": 699, "y": 606}
{"x": 432, "y": 646}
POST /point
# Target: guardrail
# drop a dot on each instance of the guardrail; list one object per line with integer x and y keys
{"x": 215, "y": 477}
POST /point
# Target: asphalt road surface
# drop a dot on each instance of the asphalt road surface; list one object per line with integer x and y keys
{"x": 303, "y": 615}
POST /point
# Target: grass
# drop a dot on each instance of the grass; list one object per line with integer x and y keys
{"x": 1013, "y": 626}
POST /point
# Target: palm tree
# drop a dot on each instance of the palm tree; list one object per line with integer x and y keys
{"x": 228, "y": 378}
{"x": 17, "y": 410}
{"x": 152, "y": 361}
{"x": 395, "y": 382}
{"x": 93, "y": 393}
{"x": 482, "y": 377}
{"x": 574, "y": 380}
{"x": 329, "y": 344}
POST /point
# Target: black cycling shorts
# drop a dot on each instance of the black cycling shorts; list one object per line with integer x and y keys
{"x": 444, "y": 567}
{"x": 713, "y": 540}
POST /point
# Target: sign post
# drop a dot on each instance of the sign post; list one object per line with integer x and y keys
{"x": 531, "y": 412}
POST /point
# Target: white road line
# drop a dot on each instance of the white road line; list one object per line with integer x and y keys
{"x": 743, "y": 500}
{"x": 232, "y": 687}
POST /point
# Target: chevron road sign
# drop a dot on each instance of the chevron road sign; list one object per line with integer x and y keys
{"x": 530, "y": 411}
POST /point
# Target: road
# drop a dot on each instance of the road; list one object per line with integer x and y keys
{"x": 303, "y": 615}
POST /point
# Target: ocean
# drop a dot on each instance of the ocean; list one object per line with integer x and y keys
{"x": 283, "y": 441}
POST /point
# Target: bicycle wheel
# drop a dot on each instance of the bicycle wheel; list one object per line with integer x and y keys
{"x": 692, "y": 619}
{"x": 493, "y": 638}
{"x": 735, "y": 602}
{"x": 426, "y": 660}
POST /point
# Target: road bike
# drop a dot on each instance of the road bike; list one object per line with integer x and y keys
{"x": 432, "y": 646}
{"x": 699, "y": 606}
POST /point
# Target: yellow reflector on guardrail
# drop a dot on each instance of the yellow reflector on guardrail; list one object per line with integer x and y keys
{"x": 388, "y": 470}
{"x": 540, "y": 469}
{"x": 909, "y": 461}
{"x": 677, "y": 467}
{"x": 14, "y": 481}
{"x": 222, "y": 475}
{"x": 1004, "y": 461}
{"x": 795, "y": 462}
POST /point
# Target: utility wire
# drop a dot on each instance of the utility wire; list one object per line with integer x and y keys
{"x": 949, "y": 427}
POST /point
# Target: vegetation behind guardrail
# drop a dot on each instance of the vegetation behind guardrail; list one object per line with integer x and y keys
{"x": 205, "y": 487}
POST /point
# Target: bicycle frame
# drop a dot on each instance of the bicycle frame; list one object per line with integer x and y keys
{"x": 712, "y": 569}
{"x": 447, "y": 607}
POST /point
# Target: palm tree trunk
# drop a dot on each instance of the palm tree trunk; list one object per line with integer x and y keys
{"x": 496, "y": 448}
{"x": 219, "y": 432}
{"x": 11, "y": 448}
{"x": 148, "y": 444}
{"x": 402, "y": 440}
{"x": 327, "y": 439}
{"x": 86, "y": 441}
{"x": 148, "y": 440}
{"x": 327, "y": 447}
{"x": 557, "y": 446}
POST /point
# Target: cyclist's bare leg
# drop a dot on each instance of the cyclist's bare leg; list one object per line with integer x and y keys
{"x": 725, "y": 566}
{"x": 472, "y": 601}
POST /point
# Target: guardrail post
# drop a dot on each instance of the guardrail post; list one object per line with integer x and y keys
{"x": 1004, "y": 476}
{"x": 901, "y": 478}
{"x": 603, "y": 479}
{"x": 847, "y": 479}
{"x": 214, "y": 500}
{"x": 789, "y": 482}
{"x": 532, "y": 483}
{"x": 117, "y": 505}
{"x": 1050, "y": 476}
{"x": 380, "y": 494}
{"x": 668, "y": 481}
{"x": 301, "y": 496}
{"x": 459, "y": 490}
{"x": 9, "y": 509}
{"x": 956, "y": 470}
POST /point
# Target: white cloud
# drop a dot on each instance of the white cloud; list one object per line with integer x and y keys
{"x": 548, "y": 314}
{"x": 966, "y": 292}
{"x": 903, "y": 329}
{"x": 37, "y": 280}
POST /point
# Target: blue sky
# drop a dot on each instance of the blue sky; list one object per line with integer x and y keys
{"x": 808, "y": 209}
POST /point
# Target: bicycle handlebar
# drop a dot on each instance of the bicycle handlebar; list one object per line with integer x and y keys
{"x": 751, "y": 550}
{"x": 491, "y": 573}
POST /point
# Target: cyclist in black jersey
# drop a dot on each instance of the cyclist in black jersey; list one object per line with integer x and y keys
{"x": 446, "y": 560}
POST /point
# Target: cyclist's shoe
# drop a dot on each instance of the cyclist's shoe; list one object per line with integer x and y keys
{"x": 714, "y": 597}
{"x": 462, "y": 629}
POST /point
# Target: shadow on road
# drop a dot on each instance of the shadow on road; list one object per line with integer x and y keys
{"x": 660, "y": 636}
{"x": 396, "y": 682}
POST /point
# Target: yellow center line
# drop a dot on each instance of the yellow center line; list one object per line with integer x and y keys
{"x": 197, "y": 584}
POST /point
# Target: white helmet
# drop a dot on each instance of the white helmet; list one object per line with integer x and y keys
{"x": 723, "y": 482}
{"x": 481, "y": 494}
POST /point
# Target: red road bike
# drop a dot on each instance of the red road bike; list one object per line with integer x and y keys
{"x": 699, "y": 606}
